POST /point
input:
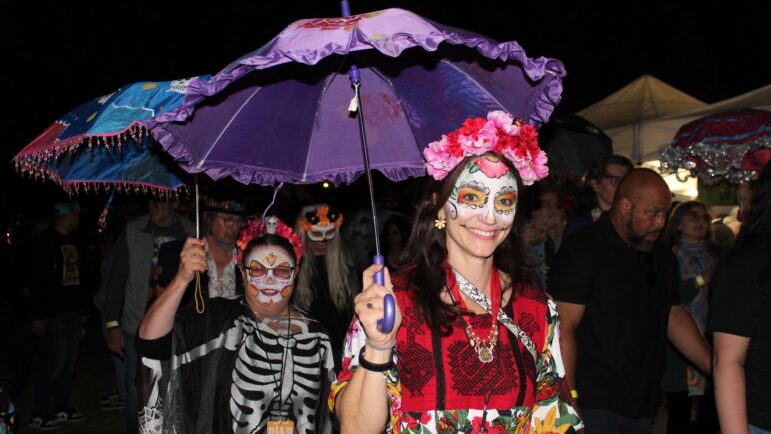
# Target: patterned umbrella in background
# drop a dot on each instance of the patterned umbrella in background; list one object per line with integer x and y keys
{"x": 103, "y": 145}
{"x": 732, "y": 145}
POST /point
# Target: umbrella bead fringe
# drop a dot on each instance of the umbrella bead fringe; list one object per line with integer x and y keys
{"x": 712, "y": 162}
{"x": 71, "y": 145}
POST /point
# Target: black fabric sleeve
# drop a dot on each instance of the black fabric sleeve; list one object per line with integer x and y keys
{"x": 159, "y": 349}
{"x": 168, "y": 262}
{"x": 731, "y": 305}
{"x": 570, "y": 275}
{"x": 116, "y": 282}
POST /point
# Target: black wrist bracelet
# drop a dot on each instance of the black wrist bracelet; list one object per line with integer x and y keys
{"x": 374, "y": 367}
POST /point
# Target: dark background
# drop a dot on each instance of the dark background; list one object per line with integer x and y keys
{"x": 57, "y": 55}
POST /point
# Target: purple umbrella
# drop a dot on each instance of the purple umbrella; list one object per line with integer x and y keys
{"x": 270, "y": 117}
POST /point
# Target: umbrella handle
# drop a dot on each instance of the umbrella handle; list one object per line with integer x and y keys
{"x": 386, "y": 324}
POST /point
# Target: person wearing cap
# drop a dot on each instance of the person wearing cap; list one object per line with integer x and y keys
{"x": 222, "y": 222}
{"x": 129, "y": 283}
{"x": 57, "y": 309}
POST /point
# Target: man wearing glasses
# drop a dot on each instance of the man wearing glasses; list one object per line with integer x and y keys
{"x": 616, "y": 292}
{"x": 222, "y": 222}
{"x": 602, "y": 178}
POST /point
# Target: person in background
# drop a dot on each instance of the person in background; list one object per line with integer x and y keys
{"x": 740, "y": 320}
{"x": 600, "y": 183}
{"x": 129, "y": 286}
{"x": 58, "y": 305}
{"x": 117, "y": 399}
{"x": 325, "y": 286}
{"x": 222, "y": 220}
{"x": 616, "y": 292}
{"x": 543, "y": 233}
{"x": 687, "y": 235}
{"x": 393, "y": 240}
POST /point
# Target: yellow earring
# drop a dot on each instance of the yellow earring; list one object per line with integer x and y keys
{"x": 440, "y": 223}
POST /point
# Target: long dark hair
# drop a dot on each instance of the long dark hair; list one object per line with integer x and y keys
{"x": 759, "y": 219}
{"x": 427, "y": 249}
{"x": 758, "y": 223}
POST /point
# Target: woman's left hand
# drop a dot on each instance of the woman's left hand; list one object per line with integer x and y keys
{"x": 369, "y": 307}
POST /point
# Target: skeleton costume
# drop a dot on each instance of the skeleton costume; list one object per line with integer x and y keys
{"x": 225, "y": 371}
{"x": 230, "y": 371}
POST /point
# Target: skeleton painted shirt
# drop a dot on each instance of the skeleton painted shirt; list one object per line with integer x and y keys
{"x": 224, "y": 371}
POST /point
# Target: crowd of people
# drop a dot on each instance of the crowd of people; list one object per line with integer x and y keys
{"x": 523, "y": 306}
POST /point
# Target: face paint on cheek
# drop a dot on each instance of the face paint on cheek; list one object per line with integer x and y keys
{"x": 287, "y": 291}
{"x": 253, "y": 291}
{"x": 263, "y": 282}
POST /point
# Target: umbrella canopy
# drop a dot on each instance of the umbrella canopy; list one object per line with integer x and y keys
{"x": 138, "y": 166}
{"x": 572, "y": 144}
{"x": 119, "y": 154}
{"x": 272, "y": 117}
{"x": 720, "y": 146}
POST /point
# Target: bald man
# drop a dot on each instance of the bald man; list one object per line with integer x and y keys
{"x": 618, "y": 303}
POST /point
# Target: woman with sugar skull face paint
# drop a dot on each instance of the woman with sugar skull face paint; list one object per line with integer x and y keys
{"x": 253, "y": 364}
{"x": 475, "y": 347}
{"x": 325, "y": 286}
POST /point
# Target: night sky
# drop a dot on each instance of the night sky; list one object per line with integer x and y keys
{"x": 57, "y": 56}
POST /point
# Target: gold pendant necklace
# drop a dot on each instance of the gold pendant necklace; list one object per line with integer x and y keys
{"x": 485, "y": 348}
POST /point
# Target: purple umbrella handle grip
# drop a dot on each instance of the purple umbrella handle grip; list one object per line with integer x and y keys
{"x": 386, "y": 324}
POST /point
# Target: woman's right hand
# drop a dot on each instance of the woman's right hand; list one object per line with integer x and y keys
{"x": 369, "y": 306}
{"x": 192, "y": 259}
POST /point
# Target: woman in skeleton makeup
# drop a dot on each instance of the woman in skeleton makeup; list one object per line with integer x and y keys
{"x": 325, "y": 286}
{"x": 253, "y": 364}
{"x": 475, "y": 347}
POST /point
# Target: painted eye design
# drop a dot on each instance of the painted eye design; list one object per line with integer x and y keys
{"x": 256, "y": 270}
{"x": 472, "y": 195}
{"x": 505, "y": 201}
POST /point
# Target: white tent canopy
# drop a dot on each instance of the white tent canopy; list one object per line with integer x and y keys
{"x": 622, "y": 114}
{"x": 653, "y": 135}
{"x": 643, "y": 99}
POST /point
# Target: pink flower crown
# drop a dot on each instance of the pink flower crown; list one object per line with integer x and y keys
{"x": 271, "y": 225}
{"x": 499, "y": 134}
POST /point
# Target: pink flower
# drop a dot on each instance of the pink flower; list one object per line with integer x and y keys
{"x": 504, "y": 122}
{"x": 439, "y": 160}
{"x": 481, "y": 141}
{"x": 499, "y": 134}
{"x": 539, "y": 165}
{"x": 492, "y": 166}
{"x": 534, "y": 170}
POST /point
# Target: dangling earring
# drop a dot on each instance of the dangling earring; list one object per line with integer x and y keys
{"x": 440, "y": 223}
